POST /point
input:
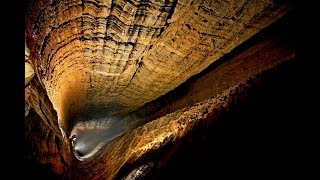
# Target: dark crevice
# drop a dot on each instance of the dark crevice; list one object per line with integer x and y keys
{"x": 213, "y": 35}
{"x": 241, "y": 8}
{"x": 139, "y": 64}
{"x": 62, "y": 160}
{"x": 173, "y": 7}
{"x": 160, "y": 31}
{"x": 46, "y": 118}
{"x": 95, "y": 4}
{"x": 57, "y": 142}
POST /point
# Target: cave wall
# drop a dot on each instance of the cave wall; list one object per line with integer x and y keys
{"x": 226, "y": 120}
{"x": 259, "y": 134}
{"x": 268, "y": 48}
{"x": 46, "y": 153}
{"x": 209, "y": 115}
{"x": 77, "y": 46}
{"x": 47, "y": 149}
{"x": 108, "y": 58}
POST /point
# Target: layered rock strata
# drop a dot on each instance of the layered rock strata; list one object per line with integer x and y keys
{"x": 108, "y": 58}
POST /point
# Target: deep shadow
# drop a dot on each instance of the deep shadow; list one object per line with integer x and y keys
{"x": 262, "y": 134}
{"x": 34, "y": 170}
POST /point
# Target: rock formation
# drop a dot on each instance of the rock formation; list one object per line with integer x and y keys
{"x": 100, "y": 64}
{"x": 108, "y": 58}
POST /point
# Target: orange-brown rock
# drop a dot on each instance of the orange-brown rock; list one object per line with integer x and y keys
{"x": 126, "y": 60}
{"x": 46, "y": 151}
{"x": 108, "y": 58}
{"x": 152, "y": 144}
{"x": 268, "y": 51}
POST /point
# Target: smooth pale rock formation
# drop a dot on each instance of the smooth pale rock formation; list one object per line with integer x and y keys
{"x": 29, "y": 73}
{"x": 28, "y": 68}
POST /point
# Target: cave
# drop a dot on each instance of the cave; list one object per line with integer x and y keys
{"x": 174, "y": 89}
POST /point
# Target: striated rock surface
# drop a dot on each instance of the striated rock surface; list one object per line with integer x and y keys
{"x": 99, "y": 62}
{"x": 108, "y": 58}
{"x": 38, "y": 100}
{"x": 46, "y": 152}
{"x": 264, "y": 52}
{"x": 150, "y": 146}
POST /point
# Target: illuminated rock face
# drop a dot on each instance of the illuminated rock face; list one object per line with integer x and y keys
{"x": 149, "y": 148}
{"x": 108, "y": 58}
{"x": 46, "y": 152}
{"x": 98, "y": 63}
